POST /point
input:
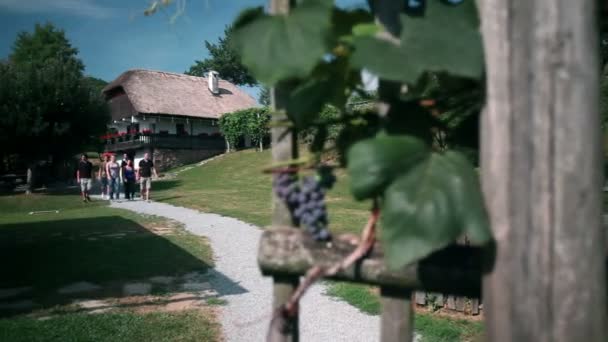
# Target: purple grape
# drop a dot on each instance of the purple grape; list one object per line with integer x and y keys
{"x": 306, "y": 200}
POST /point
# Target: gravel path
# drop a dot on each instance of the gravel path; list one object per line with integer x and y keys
{"x": 237, "y": 279}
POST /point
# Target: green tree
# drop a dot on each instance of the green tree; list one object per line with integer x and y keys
{"x": 45, "y": 43}
{"x": 49, "y": 109}
{"x": 223, "y": 59}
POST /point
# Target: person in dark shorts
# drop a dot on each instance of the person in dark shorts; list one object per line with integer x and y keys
{"x": 83, "y": 176}
{"x": 123, "y": 164}
{"x": 144, "y": 174}
{"x": 128, "y": 176}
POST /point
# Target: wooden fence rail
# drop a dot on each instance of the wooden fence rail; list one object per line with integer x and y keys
{"x": 455, "y": 270}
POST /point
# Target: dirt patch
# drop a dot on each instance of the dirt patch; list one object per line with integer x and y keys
{"x": 162, "y": 230}
{"x": 443, "y": 312}
{"x": 93, "y": 306}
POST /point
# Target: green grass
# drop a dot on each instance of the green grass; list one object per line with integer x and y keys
{"x": 433, "y": 328}
{"x": 89, "y": 242}
{"x": 356, "y": 295}
{"x": 126, "y": 326}
{"x": 233, "y": 185}
{"x": 216, "y": 301}
{"x": 46, "y": 251}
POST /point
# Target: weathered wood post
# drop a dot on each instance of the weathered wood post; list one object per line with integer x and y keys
{"x": 284, "y": 147}
{"x": 542, "y": 172}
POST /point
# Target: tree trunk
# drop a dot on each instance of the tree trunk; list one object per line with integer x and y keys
{"x": 261, "y": 145}
{"x": 542, "y": 172}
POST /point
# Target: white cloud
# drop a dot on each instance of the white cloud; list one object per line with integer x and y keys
{"x": 85, "y": 8}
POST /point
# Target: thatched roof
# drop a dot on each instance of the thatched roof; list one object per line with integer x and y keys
{"x": 158, "y": 92}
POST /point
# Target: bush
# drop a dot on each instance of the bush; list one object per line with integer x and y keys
{"x": 252, "y": 122}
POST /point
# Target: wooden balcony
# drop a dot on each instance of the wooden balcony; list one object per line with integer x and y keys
{"x": 170, "y": 141}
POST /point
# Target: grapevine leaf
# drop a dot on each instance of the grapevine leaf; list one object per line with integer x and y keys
{"x": 374, "y": 163}
{"x": 248, "y": 16}
{"x": 285, "y": 46}
{"x": 307, "y": 100}
{"x": 344, "y": 21}
{"x": 430, "y": 206}
{"x": 445, "y": 38}
{"x": 326, "y": 85}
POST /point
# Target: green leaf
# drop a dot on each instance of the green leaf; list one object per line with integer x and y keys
{"x": 344, "y": 21}
{"x": 285, "y": 46}
{"x": 445, "y": 38}
{"x": 430, "y": 206}
{"x": 326, "y": 85}
{"x": 248, "y": 16}
{"x": 374, "y": 163}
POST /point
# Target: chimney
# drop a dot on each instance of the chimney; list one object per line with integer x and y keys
{"x": 212, "y": 78}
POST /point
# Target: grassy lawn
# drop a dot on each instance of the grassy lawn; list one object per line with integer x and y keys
{"x": 102, "y": 246}
{"x": 233, "y": 185}
{"x": 432, "y": 327}
{"x": 124, "y": 326}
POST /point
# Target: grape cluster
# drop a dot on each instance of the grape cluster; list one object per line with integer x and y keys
{"x": 306, "y": 200}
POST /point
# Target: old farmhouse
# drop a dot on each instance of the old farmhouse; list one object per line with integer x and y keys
{"x": 172, "y": 116}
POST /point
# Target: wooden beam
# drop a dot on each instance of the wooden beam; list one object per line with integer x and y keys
{"x": 291, "y": 252}
{"x": 541, "y": 168}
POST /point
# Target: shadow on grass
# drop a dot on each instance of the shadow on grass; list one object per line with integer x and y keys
{"x": 106, "y": 251}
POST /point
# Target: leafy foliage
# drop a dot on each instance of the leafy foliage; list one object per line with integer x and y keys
{"x": 252, "y": 122}
{"x": 397, "y": 155}
{"x": 48, "y": 108}
{"x": 427, "y": 43}
{"x": 285, "y": 46}
{"x": 225, "y": 60}
{"x": 431, "y": 205}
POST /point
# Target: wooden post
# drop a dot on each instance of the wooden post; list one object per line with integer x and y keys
{"x": 284, "y": 147}
{"x": 542, "y": 172}
{"x": 397, "y": 318}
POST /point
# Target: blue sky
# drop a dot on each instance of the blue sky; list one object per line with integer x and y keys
{"x": 113, "y": 36}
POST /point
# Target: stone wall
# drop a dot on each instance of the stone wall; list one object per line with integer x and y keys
{"x": 168, "y": 158}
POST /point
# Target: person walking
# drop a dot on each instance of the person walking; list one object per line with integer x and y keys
{"x": 113, "y": 172}
{"x": 128, "y": 176}
{"x": 83, "y": 176}
{"x": 103, "y": 177}
{"x": 144, "y": 174}
{"x": 123, "y": 164}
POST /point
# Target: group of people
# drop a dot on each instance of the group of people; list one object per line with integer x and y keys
{"x": 112, "y": 175}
